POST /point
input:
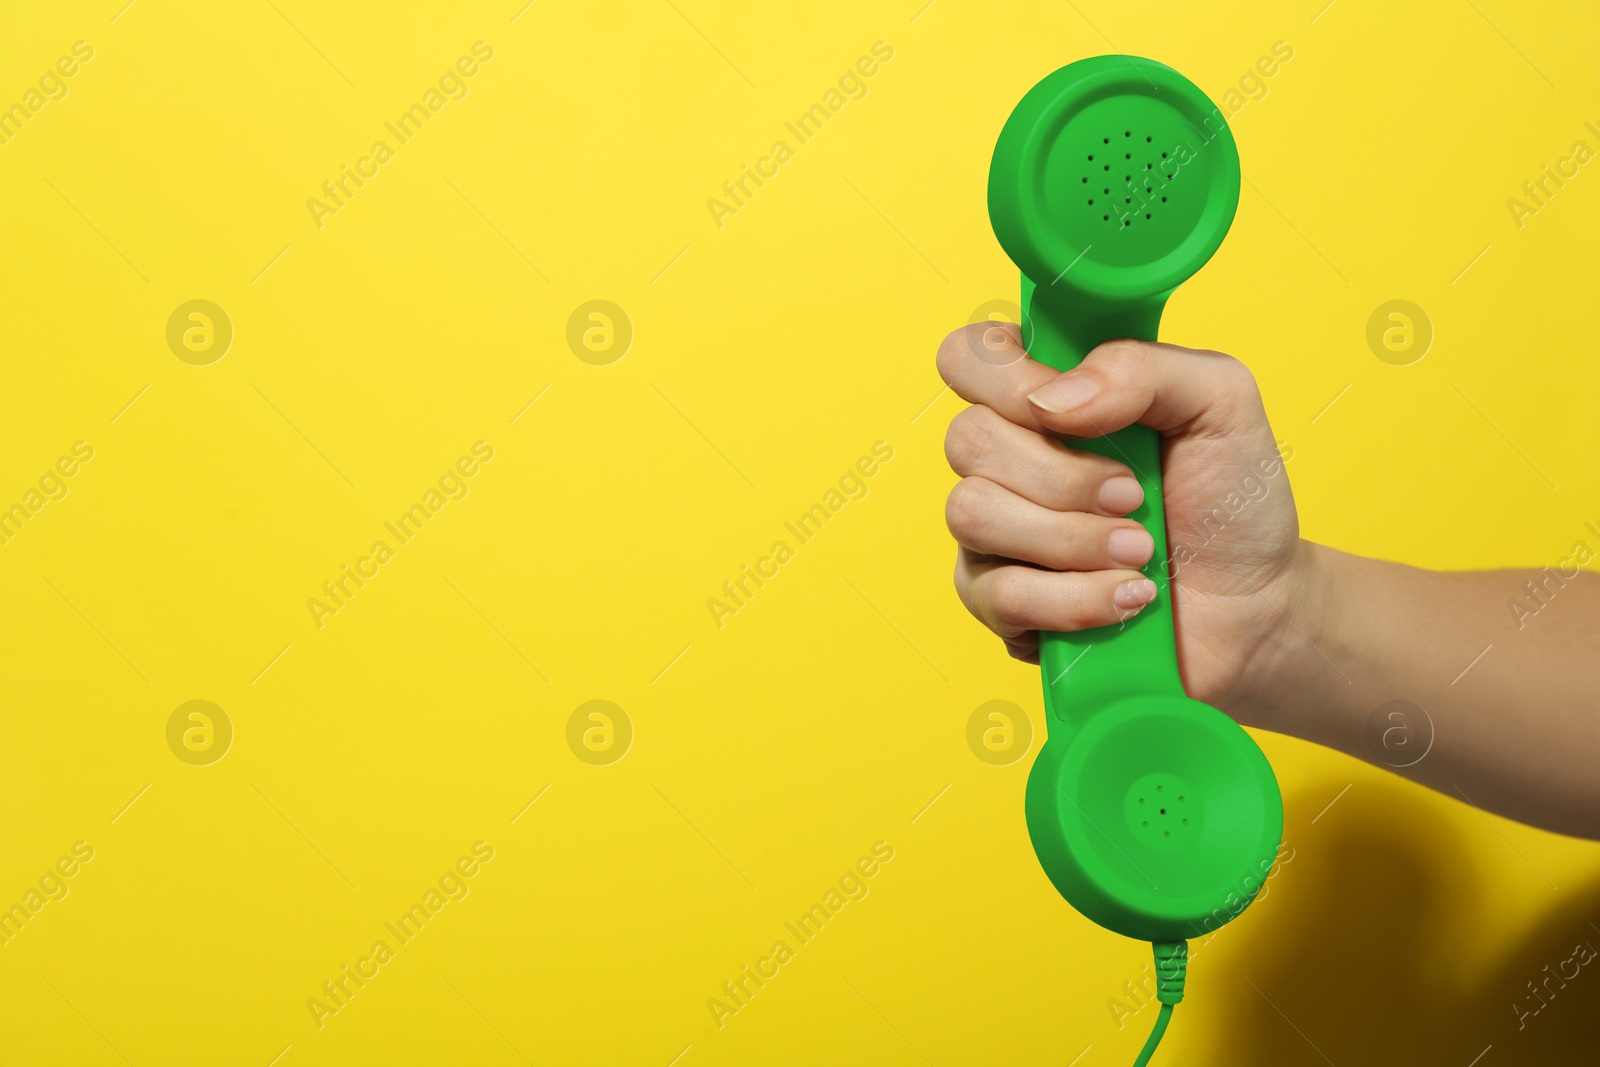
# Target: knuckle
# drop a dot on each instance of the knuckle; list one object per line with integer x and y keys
{"x": 997, "y": 344}
{"x": 973, "y": 348}
{"x": 1083, "y": 607}
{"x": 1234, "y": 391}
{"x": 962, "y": 579}
{"x": 966, "y": 507}
{"x": 1074, "y": 543}
{"x": 1070, "y": 478}
{"x": 1121, "y": 348}
{"x": 1238, "y": 378}
{"x": 955, "y": 345}
{"x": 967, "y": 440}
{"x": 1076, "y": 609}
{"x": 1009, "y": 599}
{"x": 1122, "y": 356}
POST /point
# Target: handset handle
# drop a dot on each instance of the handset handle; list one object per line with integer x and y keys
{"x": 1088, "y": 670}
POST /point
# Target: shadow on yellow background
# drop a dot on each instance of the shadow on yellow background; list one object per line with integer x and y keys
{"x": 1385, "y": 947}
{"x": 402, "y": 347}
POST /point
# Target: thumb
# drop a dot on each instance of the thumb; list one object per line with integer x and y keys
{"x": 1168, "y": 388}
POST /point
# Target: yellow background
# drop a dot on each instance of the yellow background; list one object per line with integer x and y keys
{"x": 768, "y": 355}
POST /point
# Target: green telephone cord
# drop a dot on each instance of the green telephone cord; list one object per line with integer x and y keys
{"x": 1172, "y": 961}
{"x": 1155, "y": 1036}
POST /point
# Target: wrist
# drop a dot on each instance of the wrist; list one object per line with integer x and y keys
{"x": 1286, "y": 667}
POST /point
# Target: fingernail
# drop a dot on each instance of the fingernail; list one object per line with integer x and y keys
{"x": 1134, "y": 594}
{"x": 1064, "y": 394}
{"x": 1120, "y": 495}
{"x": 1131, "y": 548}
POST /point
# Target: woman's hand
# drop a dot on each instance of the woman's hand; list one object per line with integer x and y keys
{"x": 1045, "y": 541}
{"x": 1498, "y": 711}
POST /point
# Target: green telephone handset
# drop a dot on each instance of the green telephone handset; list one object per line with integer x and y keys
{"x": 1154, "y": 815}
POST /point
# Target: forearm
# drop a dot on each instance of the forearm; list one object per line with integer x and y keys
{"x": 1509, "y": 697}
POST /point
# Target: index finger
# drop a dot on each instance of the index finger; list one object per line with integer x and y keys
{"x": 985, "y": 363}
